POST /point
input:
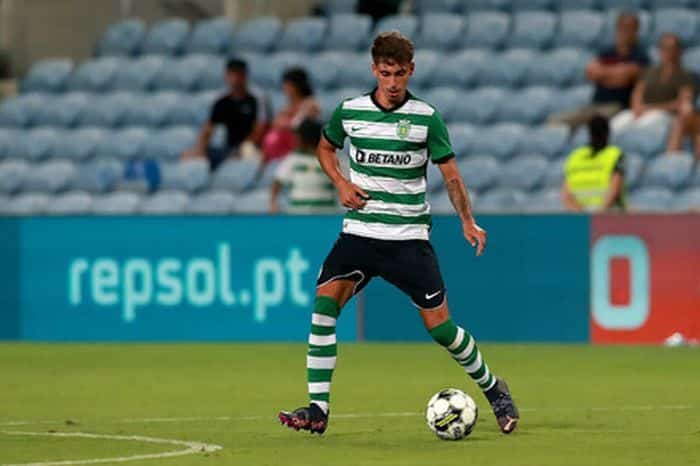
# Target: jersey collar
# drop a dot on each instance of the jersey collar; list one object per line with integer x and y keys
{"x": 391, "y": 109}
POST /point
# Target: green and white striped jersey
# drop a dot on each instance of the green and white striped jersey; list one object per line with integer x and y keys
{"x": 389, "y": 152}
{"x": 310, "y": 190}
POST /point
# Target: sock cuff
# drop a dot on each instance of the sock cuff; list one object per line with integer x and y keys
{"x": 445, "y": 333}
{"x": 326, "y": 306}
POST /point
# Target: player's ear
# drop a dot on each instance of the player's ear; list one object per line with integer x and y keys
{"x": 411, "y": 68}
{"x": 375, "y": 71}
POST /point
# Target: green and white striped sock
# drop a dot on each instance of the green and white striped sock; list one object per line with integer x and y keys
{"x": 462, "y": 347}
{"x": 321, "y": 357}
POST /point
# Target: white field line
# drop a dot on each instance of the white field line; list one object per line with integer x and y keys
{"x": 190, "y": 448}
{"x": 153, "y": 420}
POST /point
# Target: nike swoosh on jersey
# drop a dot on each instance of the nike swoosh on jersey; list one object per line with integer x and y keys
{"x": 431, "y": 296}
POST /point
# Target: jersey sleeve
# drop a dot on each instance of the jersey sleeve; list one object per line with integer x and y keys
{"x": 217, "y": 114}
{"x": 334, "y": 132}
{"x": 439, "y": 146}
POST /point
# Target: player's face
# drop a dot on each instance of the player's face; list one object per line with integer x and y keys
{"x": 392, "y": 79}
{"x": 236, "y": 80}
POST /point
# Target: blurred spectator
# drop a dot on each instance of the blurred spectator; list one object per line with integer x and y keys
{"x": 594, "y": 174}
{"x": 378, "y": 9}
{"x": 301, "y": 104}
{"x": 242, "y": 111}
{"x": 614, "y": 72}
{"x": 310, "y": 190}
{"x": 659, "y": 93}
{"x": 686, "y": 124}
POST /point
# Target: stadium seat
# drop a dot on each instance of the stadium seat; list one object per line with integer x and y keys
{"x": 433, "y": 177}
{"x": 444, "y": 99}
{"x": 138, "y": 75}
{"x": 533, "y": 29}
{"x": 109, "y": 111}
{"x": 634, "y": 168}
{"x": 277, "y": 101}
{"x": 277, "y": 64}
{"x": 303, "y": 35}
{"x": 544, "y": 201}
{"x": 611, "y": 15}
{"x": 623, "y": 4}
{"x": 327, "y": 100}
{"x": 116, "y": 203}
{"x": 405, "y": 24}
{"x": 437, "y": 6}
{"x": 533, "y": 5}
{"x": 270, "y": 173}
{"x": 461, "y": 137}
{"x": 582, "y": 29}
{"x": 440, "y": 203}
{"x": 12, "y": 174}
{"x": 525, "y": 173}
{"x": 169, "y": 143}
{"x": 65, "y": 110}
{"x": 691, "y": 59}
{"x": 235, "y": 175}
{"x": 427, "y": 63}
{"x": 507, "y": 68}
{"x": 70, "y": 203}
{"x": 559, "y": 67}
{"x": 48, "y": 75}
{"x": 651, "y": 200}
{"x": 480, "y": 106}
{"x": 500, "y": 200}
{"x": 487, "y": 29}
{"x": 98, "y": 176}
{"x": 688, "y": 200}
{"x": 348, "y": 32}
{"x": 167, "y": 202}
{"x": 682, "y": 22}
{"x": 671, "y": 171}
{"x": 500, "y": 141}
{"x": 212, "y": 76}
{"x": 569, "y": 5}
{"x": 211, "y": 203}
{"x": 480, "y": 172}
{"x": 26, "y": 204}
{"x": 252, "y": 202}
{"x": 190, "y": 110}
{"x": 151, "y": 110}
{"x": 125, "y": 144}
{"x": 187, "y": 175}
{"x": 325, "y": 70}
{"x": 529, "y": 106}
{"x": 658, "y": 4}
{"x": 37, "y": 144}
{"x": 50, "y": 177}
{"x": 95, "y": 75}
{"x": 573, "y": 98}
{"x": 78, "y": 145}
{"x": 333, "y": 7}
{"x": 554, "y": 176}
{"x": 440, "y": 31}
{"x": 21, "y": 111}
{"x": 489, "y": 5}
{"x": 185, "y": 74}
{"x": 211, "y": 36}
{"x": 461, "y": 69}
{"x": 548, "y": 141}
{"x": 167, "y": 37}
{"x": 8, "y": 141}
{"x": 124, "y": 38}
{"x": 257, "y": 35}
{"x": 647, "y": 142}
{"x": 356, "y": 72}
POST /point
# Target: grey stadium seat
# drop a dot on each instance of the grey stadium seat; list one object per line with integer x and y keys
{"x": 109, "y": 111}
{"x": 651, "y": 200}
{"x": 507, "y": 69}
{"x": 187, "y": 175}
{"x": 611, "y": 14}
{"x": 427, "y": 62}
{"x": 529, "y": 106}
{"x": 48, "y": 75}
{"x": 671, "y": 170}
{"x": 490, "y": 5}
{"x": 235, "y": 175}
{"x": 22, "y": 110}
{"x": 533, "y": 29}
{"x": 116, "y": 203}
{"x": 573, "y": 98}
{"x": 688, "y": 200}
{"x": 191, "y": 109}
{"x": 257, "y": 35}
{"x": 166, "y": 37}
{"x": 169, "y": 143}
{"x": 545, "y": 201}
{"x": 123, "y": 38}
{"x": 406, "y": 24}
{"x": 277, "y": 64}
{"x": 12, "y": 174}
{"x": 582, "y": 29}
{"x": 433, "y": 177}
{"x": 50, "y": 177}
{"x": 184, "y": 74}
{"x": 37, "y": 144}
{"x": 462, "y": 136}
{"x": 634, "y": 169}
{"x": 98, "y": 176}
{"x": 8, "y": 141}
{"x": 533, "y": 5}
{"x": 681, "y": 21}
{"x": 70, "y": 203}
{"x": 340, "y": 6}
{"x": 211, "y": 203}
{"x": 138, "y": 75}
{"x": 65, "y": 110}
{"x": 26, "y": 204}
{"x": 213, "y": 35}
{"x": 525, "y": 173}
{"x": 357, "y": 72}
{"x": 462, "y": 68}
{"x": 549, "y": 141}
{"x": 168, "y": 202}
{"x": 444, "y": 99}
{"x": 569, "y": 5}
{"x": 325, "y": 70}
{"x": 647, "y": 142}
{"x": 480, "y": 106}
{"x": 480, "y": 172}
{"x": 348, "y": 32}
{"x": 501, "y": 200}
{"x": 554, "y": 176}
{"x": 125, "y": 144}
{"x": 78, "y": 145}
{"x": 559, "y": 67}
{"x": 152, "y": 110}
{"x": 252, "y": 202}
{"x": 440, "y": 31}
{"x": 486, "y": 29}
{"x": 501, "y": 141}
{"x": 437, "y": 6}
{"x": 303, "y": 34}
{"x": 95, "y": 75}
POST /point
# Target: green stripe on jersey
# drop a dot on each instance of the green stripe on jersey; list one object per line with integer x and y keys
{"x": 388, "y": 218}
{"x": 398, "y": 173}
{"x": 412, "y": 199}
{"x": 386, "y": 144}
{"x": 385, "y": 117}
{"x": 312, "y": 203}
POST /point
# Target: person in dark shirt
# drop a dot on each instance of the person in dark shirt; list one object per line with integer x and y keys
{"x": 614, "y": 72}
{"x": 244, "y": 114}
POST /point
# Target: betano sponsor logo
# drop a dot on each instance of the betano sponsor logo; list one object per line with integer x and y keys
{"x": 138, "y": 283}
{"x": 382, "y": 158}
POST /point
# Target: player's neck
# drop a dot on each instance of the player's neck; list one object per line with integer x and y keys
{"x": 383, "y": 101}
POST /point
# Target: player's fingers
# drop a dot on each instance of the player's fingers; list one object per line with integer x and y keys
{"x": 361, "y": 192}
{"x": 480, "y": 248}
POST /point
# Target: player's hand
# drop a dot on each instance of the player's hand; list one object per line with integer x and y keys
{"x": 351, "y": 195}
{"x": 475, "y": 235}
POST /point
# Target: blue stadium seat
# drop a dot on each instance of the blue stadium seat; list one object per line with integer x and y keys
{"x": 682, "y": 22}
{"x": 525, "y": 173}
{"x": 152, "y": 110}
{"x": 235, "y": 175}
{"x": 303, "y": 35}
{"x": 78, "y": 145}
{"x": 549, "y": 141}
{"x": 480, "y": 172}
{"x": 190, "y": 110}
{"x": 327, "y": 100}
{"x": 501, "y": 141}
{"x": 95, "y": 75}
{"x": 501, "y": 200}
{"x": 125, "y": 144}
{"x": 109, "y": 111}
{"x": 405, "y": 24}
{"x": 440, "y": 203}
{"x": 486, "y": 29}
{"x": 440, "y": 31}
{"x": 691, "y": 59}
{"x": 645, "y": 22}
{"x": 657, "y": 4}
{"x": 582, "y": 29}
{"x": 651, "y": 200}
{"x": 634, "y": 168}
{"x": 334, "y": 7}
{"x": 559, "y": 67}
{"x": 688, "y": 200}
{"x": 270, "y": 173}
{"x": 37, "y": 144}
{"x": 489, "y": 5}
{"x": 348, "y": 32}
{"x": 98, "y": 176}
{"x": 258, "y": 35}
{"x": 252, "y": 202}
{"x": 187, "y": 175}
{"x": 123, "y": 38}
{"x": 573, "y": 98}
{"x": 461, "y": 137}
{"x": 8, "y": 141}
{"x": 671, "y": 171}
{"x": 50, "y": 177}
{"x": 480, "y": 106}
{"x": 437, "y": 6}
{"x": 70, "y": 203}
{"x": 139, "y": 75}
{"x": 530, "y": 106}
{"x": 569, "y": 5}
{"x": 211, "y": 36}
{"x": 26, "y": 204}
{"x": 357, "y": 72}
{"x": 12, "y": 174}
{"x": 434, "y": 180}
{"x": 277, "y": 64}
{"x": 169, "y": 143}
{"x": 506, "y": 69}
{"x": 533, "y": 29}
{"x": 529, "y": 5}
{"x": 547, "y": 200}
{"x": 185, "y": 74}
{"x": 48, "y": 75}
{"x": 212, "y": 76}
{"x": 116, "y": 203}
{"x": 427, "y": 63}
{"x": 444, "y": 99}
{"x": 554, "y": 176}
{"x": 325, "y": 70}
{"x": 462, "y": 68}
{"x": 623, "y": 4}
{"x": 22, "y": 110}
{"x": 214, "y": 202}
{"x": 65, "y": 110}
{"x": 167, "y": 37}
{"x": 278, "y": 101}
{"x": 647, "y": 142}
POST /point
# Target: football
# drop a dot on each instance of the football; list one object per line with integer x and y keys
{"x": 451, "y": 414}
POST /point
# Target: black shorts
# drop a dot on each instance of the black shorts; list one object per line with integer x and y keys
{"x": 410, "y": 265}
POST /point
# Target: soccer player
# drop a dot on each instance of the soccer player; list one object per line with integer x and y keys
{"x": 393, "y": 136}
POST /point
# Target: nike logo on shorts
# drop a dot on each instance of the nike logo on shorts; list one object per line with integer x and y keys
{"x": 431, "y": 296}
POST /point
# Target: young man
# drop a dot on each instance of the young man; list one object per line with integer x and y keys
{"x": 393, "y": 136}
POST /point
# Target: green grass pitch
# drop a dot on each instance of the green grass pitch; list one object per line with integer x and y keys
{"x": 580, "y": 405}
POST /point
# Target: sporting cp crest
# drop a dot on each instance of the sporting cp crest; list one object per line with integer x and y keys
{"x": 403, "y": 127}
